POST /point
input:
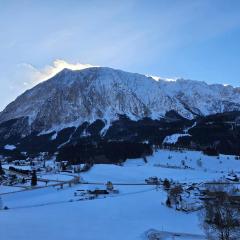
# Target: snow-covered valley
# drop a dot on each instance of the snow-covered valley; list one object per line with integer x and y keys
{"x": 134, "y": 210}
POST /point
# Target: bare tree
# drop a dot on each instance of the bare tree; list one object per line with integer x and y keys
{"x": 166, "y": 184}
{"x": 1, "y": 203}
{"x": 221, "y": 218}
{"x": 1, "y": 169}
{"x": 34, "y": 178}
{"x": 175, "y": 195}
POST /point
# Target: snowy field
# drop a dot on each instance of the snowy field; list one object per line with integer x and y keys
{"x": 8, "y": 189}
{"x": 54, "y": 213}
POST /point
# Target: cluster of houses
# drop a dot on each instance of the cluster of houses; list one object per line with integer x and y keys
{"x": 93, "y": 192}
{"x": 192, "y": 197}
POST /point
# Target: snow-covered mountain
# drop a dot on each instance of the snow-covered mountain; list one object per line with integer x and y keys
{"x": 73, "y": 97}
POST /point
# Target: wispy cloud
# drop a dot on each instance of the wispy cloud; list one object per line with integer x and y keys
{"x": 25, "y": 76}
{"x": 33, "y": 75}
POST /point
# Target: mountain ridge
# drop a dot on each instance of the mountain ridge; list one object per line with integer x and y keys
{"x": 72, "y": 97}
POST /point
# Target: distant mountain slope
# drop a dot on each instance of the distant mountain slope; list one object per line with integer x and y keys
{"x": 219, "y": 131}
{"x": 104, "y": 115}
{"x": 73, "y": 97}
{"x": 125, "y": 138}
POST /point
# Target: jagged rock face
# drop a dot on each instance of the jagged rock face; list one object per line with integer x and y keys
{"x": 14, "y": 129}
{"x": 73, "y": 97}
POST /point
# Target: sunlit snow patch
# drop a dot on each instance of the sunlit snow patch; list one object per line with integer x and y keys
{"x": 9, "y": 147}
{"x": 172, "y": 139}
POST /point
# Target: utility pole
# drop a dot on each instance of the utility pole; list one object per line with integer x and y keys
{"x": 1, "y": 203}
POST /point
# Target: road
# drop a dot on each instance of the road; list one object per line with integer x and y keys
{"x": 55, "y": 183}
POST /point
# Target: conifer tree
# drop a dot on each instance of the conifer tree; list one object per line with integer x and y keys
{"x": 1, "y": 169}
{"x": 34, "y": 178}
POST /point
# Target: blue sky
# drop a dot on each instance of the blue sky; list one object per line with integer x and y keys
{"x": 194, "y": 39}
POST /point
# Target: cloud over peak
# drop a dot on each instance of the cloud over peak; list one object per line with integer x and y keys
{"x": 35, "y": 75}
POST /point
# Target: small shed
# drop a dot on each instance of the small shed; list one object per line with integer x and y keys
{"x": 109, "y": 186}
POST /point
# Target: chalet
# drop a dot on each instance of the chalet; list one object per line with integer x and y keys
{"x": 233, "y": 178}
{"x": 152, "y": 180}
{"x": 20, "y": 162}
{"x": 109, "y": 186}
{"x": 212, "y": 195}
{"x": 98, "y": 192}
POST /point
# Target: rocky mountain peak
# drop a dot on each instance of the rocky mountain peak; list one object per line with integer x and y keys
{"x": 73, "y": 97}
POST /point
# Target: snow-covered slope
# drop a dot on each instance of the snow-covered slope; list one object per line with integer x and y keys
{"x": 72, "y": 97}
{"x": 127, "y": 215}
